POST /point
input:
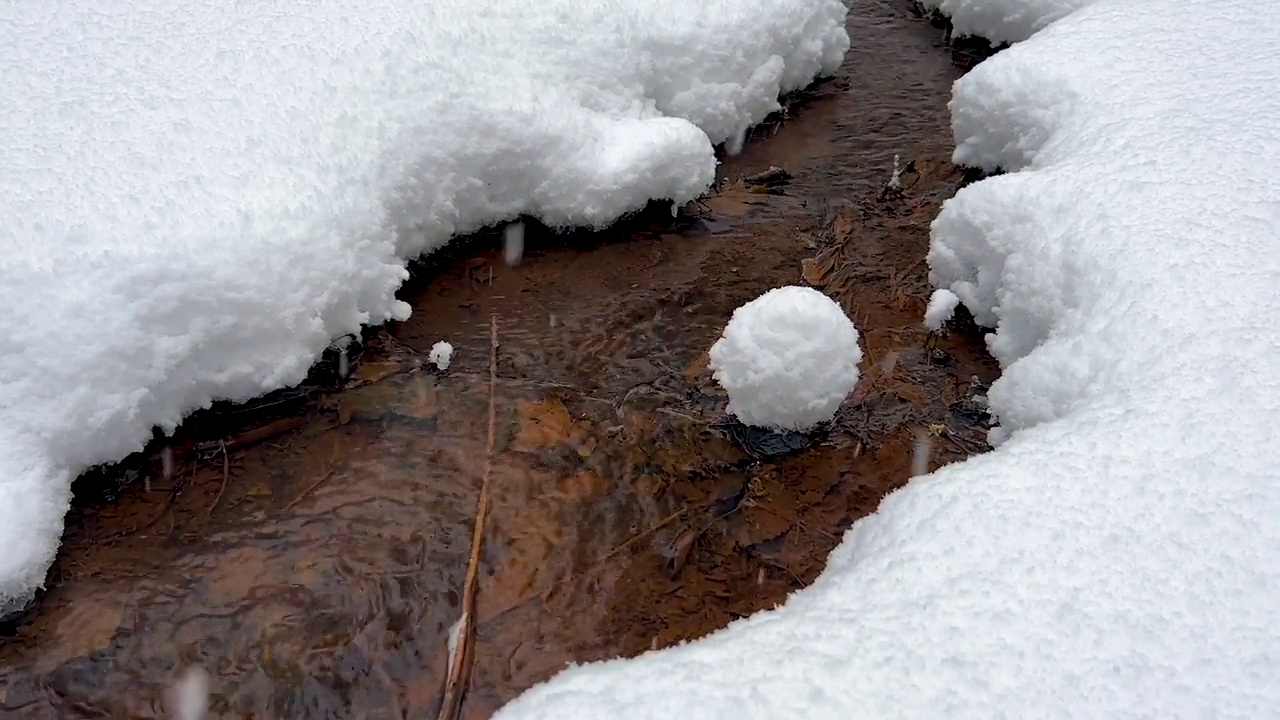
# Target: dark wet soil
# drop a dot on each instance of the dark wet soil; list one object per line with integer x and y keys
{"x": 311, "y": 555}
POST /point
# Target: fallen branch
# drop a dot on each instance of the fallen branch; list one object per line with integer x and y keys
{"x": 462, "y": 640}
{"x": 249, "y": 437}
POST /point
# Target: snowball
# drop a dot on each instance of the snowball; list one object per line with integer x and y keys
{"x": 942, "y": 305}
{"x": 787, "y": 359}
{"x": 440, "y": 356}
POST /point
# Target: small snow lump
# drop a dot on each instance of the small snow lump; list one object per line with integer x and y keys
{"x": 440, "y": 356}
{"x": 787, "y": 359}
{"x": 942, "y": 305}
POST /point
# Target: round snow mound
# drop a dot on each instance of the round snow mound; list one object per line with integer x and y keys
{"x": 787, "y": 359}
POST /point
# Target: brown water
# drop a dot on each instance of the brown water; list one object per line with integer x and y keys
{"x": 315, "y": 566}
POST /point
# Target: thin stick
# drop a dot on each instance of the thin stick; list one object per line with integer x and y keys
{"x": 797, "y": 521}
{"x": 640, "y": 536}
{"x": 307, "y": 492}
{"x": 460, "y": 654}
{"x": 226, "y": 472}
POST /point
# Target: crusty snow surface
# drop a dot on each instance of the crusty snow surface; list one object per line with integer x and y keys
{"x": 1118, "y": 555}
{"x": 787, "y": 359}
{"x": 199, "y": 194}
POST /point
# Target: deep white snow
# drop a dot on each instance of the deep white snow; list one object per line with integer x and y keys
{"x": 197, "y": 195}
{"x": 787, "y": 359}
{"x": 1118, "y": 556}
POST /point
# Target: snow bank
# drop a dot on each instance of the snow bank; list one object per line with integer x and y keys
{"x": 787, "y": 359}
{"x": 198, "y": 195}
{"x": 1003, "y": 21}
{"x": 1119, "y": 555}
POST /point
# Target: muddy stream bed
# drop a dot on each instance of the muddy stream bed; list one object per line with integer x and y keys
{"x": 310, "y": 555}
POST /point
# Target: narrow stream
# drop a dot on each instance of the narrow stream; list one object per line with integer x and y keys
{"x": 315, "y": 572}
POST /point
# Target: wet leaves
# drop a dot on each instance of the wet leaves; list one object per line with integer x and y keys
{"x": 764, "y": 443}
{"x": 547, "y": 424}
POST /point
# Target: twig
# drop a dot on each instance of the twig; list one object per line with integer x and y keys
{"x": 226, "y": 472}
{"x": 307, "y": 492}
{"x": 796, "y": 520}
{"x": 460, "y": 654}
{"x": 639, "y": 536}
{"x": 249, "y": 437}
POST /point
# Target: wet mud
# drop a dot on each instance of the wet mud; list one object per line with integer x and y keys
{"x": 310, "y": 552}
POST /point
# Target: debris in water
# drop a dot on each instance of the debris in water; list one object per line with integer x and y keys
{"x": 761, "y": 443}
{"x": 903, "y": 177}
{"x": 774, "y": 177}
{"x": 441, "y": 355}
{"x": 462, "y": 634}
{"x": 895, "y": 180}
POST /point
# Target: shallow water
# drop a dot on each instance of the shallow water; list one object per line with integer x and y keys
{"x": 314, "y": 568}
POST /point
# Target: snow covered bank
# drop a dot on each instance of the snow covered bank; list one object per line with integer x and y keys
{"x": 197, "y": 196}
{"x": 1003, "y": 21}
{"x": 1119, "y": 554}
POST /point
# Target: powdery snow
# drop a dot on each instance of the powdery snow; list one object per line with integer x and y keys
{"x": 787, "y": 359}
{"x": 1118, "y": 556}
{"x": 199, "y": 194}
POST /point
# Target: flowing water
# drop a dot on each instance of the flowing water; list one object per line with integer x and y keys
{"x": 311, "y": 556}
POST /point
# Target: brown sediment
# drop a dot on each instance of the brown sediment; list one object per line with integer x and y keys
{"x": 311, "y": 555}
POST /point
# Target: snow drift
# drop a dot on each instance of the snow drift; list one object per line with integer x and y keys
{"x": 198, "y": 196}
{"x": 1119, "y": 554}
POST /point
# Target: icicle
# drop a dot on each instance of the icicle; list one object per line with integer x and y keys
{"x": 734, "y": 145}
{"x": 920, "y": 454}
{"x": 513, "y": 244}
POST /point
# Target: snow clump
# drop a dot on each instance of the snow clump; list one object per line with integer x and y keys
{"x": 787, "y": 359}
{"x": 441, "y": 355}
{"x": 942, "y": 305}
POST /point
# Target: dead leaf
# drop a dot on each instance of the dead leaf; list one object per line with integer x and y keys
{"x": 841, "y": 229}
{"x": 545, "y": 424}
{"x": 681, "y": 545}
